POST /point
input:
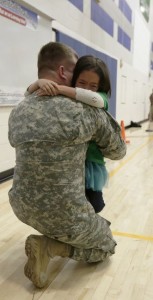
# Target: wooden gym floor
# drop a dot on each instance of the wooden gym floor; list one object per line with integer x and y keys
{"x": 127, "y": 275}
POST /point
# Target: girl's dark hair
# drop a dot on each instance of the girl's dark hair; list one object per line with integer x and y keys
{"x": 91, "y": 63}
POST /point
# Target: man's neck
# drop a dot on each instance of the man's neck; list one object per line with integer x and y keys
{"x": 50, "y": 75}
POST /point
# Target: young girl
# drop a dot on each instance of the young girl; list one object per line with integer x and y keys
{"x": 91, "y": 85}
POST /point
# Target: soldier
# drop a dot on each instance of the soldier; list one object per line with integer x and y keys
{"x": 51, "y": 137}
{"x": 151, "y": 107}
{"x": 150, "y": 115}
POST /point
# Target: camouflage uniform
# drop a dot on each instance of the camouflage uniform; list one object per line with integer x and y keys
{"x": 151, "y": 108}
{"x": 48, "y": 193}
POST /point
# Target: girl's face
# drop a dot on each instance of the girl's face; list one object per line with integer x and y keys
{"x": 88, "y": 80}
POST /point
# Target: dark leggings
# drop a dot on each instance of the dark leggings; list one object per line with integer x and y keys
{"x": 96, "y": 199}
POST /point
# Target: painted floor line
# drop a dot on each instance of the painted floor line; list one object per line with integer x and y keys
{"x": 113, "y": 172}
{"x": 133, "y": 236}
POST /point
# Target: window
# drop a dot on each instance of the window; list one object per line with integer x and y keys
{"x": 145, "y": 7}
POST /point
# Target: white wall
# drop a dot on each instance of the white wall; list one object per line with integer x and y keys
{"x": 72, "y": 18}
{"x": 19, "y": 55}
{"x": 133, "y": 90}
{"x": 142, "y": 42}
{"x": 19, "y": 47}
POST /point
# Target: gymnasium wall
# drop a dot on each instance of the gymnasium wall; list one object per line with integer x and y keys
{"x": 109, "y": 29}
{"x": 21, "y": 39}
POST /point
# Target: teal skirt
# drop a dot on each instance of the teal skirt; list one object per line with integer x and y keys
{"x": 96, "y": 176}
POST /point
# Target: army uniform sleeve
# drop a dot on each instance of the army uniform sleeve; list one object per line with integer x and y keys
{"x": 108, "y": 136}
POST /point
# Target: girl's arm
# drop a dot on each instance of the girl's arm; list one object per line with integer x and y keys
{"x": 44, "y": 87}
{"x": 86, "y": 96}
{"x": 47, "y": 87}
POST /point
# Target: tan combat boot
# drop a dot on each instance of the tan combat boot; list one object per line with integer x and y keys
{"x": 39, "y": 250}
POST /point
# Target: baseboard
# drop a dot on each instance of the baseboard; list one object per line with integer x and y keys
{"x": 6, "y": 175}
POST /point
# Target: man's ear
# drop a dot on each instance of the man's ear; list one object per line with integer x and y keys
{"x": 62, "y": 72}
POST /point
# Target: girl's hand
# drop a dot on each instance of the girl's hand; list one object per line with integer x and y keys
{"x": 47, "y": 87}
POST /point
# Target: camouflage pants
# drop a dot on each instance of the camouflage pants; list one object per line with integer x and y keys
{"x": 91, "y": 246}
{"x": 92, "y": 240}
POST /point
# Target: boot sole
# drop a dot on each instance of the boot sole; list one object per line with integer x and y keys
{"x": 37, "y": 262}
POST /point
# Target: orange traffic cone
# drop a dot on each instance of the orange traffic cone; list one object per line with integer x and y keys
{"x": 123, "y": 132}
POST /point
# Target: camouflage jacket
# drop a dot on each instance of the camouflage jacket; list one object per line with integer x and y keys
{"x": 51, "y": 136}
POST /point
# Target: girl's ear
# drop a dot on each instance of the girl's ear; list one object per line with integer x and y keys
{"x": 62, "y": 72}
